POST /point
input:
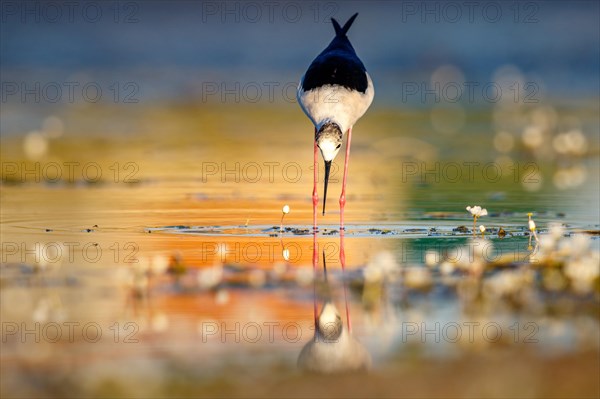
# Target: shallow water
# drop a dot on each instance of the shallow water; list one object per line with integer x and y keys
{"x": 179, "y": 276}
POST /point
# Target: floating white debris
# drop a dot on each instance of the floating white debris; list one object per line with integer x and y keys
{"x": 159, "y": 264}
{"x": 210, "y": 277}
{"x": 159, "y": 322}
{"x": 382, "y": 265}
{"x": 222, "y": 297}
{"x": 431, "y": 258}
{"x": 417, "y": 277}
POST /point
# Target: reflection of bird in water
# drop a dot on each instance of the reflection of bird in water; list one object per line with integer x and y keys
{"x": 333, "y": 348}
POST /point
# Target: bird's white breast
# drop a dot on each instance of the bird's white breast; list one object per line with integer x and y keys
{"x": 332, "y": 103}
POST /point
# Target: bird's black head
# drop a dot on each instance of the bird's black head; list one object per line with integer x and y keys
{"x": 329, "y": 141}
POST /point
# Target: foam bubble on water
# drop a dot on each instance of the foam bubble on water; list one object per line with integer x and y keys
{"x": 431, "y": 258}
{"x": 160, "y": 322}
{"x": 35, "y": 145}
{"x": 159, "y": 264}
{"x": 222, "y": 297}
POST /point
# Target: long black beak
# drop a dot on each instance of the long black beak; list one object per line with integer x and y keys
{"x": 327, "y": 168}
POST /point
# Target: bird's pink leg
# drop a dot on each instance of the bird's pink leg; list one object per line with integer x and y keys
{"x": 315, "y": 195}
{"x": 315, "y": 199}
{"x": 315, "y": 265}
{"x": 343, "y": 262}
{"x": 343, "y": 196}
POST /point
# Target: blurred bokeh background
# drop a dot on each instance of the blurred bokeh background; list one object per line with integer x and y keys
{"x": 165, "y": 136}
{"x": 171, "y": 49}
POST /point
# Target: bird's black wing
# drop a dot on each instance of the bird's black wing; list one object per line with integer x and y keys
{"x": 338, "y": 64}
{"x": 336, "y": 68}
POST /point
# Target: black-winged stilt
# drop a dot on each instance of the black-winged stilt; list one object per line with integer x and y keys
{"x": 334, "y": 93}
